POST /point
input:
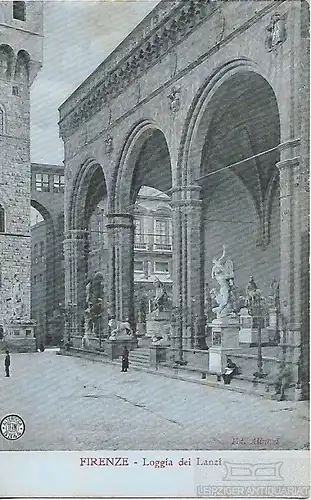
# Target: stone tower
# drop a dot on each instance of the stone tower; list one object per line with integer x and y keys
{"x": 21, "y": 43}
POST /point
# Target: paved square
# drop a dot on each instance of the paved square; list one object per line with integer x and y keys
{"x": 73, "y": 404}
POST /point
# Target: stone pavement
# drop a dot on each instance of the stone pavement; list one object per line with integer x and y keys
{"x": 74, "y": 404}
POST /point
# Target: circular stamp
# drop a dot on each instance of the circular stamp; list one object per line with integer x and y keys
{"x": 12, "y": 427}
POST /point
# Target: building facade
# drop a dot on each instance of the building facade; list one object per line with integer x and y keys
{"x": 47, "y": 256}
{"x": 21, "y": 37}
{"x": 208, "y": 102}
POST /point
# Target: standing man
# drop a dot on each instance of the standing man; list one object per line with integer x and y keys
{"x": 125, "y": 359}
{"x": 7, "y": 363}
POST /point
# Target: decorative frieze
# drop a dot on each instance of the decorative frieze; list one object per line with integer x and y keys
{"x": 187, "y": 16}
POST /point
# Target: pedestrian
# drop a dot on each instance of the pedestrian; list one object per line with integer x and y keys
{"x": 125, "y": 359}
{"x": 230, "y": 371}
{"x": 7, "y": 363}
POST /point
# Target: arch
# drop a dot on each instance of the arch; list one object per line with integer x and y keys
{"x": 44, "y": 212}
{"x": 21, "y": 73}
{"x": 77, "y": 208}
{"x": 123, "y": 192}
{"x": 192, "y": 141}
{"x": 6, "y": 61}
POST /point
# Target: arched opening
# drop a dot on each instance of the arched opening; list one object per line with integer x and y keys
{"x": 144, "y": 183}
{"x": 240, "y": 198}
{"x": 6, "y": 61}
{"x": 43, "y": 273}
{"x": 22, "y": 67}
{"x": 88, "y": 225}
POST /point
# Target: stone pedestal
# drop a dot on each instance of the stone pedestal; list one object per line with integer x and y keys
{"x": 157, "y": 355}
{"x": 158, "y": 323}
{"x": 114, "y": 347}
{"x": 140, "y": 329}
{"x": 20, "y": 336}
{"x": 248, "y": 334}
{"x": 225, "y": 340}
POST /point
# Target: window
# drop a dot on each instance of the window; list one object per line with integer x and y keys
{"x": 42, "y": 182}
{"x": 2, "y": 219}
{"x": 19, "y": 11}
{"x": 162, "y": 239}
{"x": 58, "y": 186}
{"x": 138, "y": 266}
{"x": 35, "y": 280}
{"x": 139, "y": 234}
{"x": 1, "y": 121}
{"x": 15, "y": 90}
{"x": 161, "y": 267}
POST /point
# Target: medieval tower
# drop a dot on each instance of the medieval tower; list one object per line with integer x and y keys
{"x": 21, "y": 43}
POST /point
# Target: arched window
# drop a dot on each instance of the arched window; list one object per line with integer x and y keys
{"x": 19, "y": 11}
{"x": 2, "y": 219}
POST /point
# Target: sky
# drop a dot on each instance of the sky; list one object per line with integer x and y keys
{"x": 78, "y": 36}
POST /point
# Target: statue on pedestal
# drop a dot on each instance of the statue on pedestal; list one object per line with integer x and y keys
{"x": 161, "y": 298}
{"x": 274, "y": 294}
{"x": 224, "y": 275}
{"x": 251, "y": 291}
{"x": 120, "y": 330}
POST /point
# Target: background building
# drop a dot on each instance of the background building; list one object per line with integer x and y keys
{"x": 21, "y": 32}
{"x": 47, "y": 256}
{"x": 152, "y": 256}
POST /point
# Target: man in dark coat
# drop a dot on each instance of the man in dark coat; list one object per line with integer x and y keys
{"x": 125, "y": 359}
{"x": 230, "y": 371}
{"x": 7, "y": 363}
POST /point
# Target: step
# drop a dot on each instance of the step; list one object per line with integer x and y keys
{"x": 139, "y": 356}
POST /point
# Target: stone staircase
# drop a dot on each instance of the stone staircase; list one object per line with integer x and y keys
{"x": 139, "y": 358}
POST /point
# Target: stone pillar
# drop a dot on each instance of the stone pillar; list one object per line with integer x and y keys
{"x": 121, "y": 266}
{"x": 291, "y": 243}
{"x": 188, "y": 264}
{"x": 74, "y": 280}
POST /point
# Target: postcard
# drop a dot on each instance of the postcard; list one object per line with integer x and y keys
{"x": 154, "y": 242}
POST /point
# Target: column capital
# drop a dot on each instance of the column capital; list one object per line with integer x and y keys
{"x": 121, "y": 220}
{"x": 186, "y": 203}
{"x": 186, "y": 194}
{"x": 189, "y": 188}
{"x": 73, "y": 234}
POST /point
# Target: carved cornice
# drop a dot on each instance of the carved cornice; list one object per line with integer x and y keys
{"x": 166, "y": 26}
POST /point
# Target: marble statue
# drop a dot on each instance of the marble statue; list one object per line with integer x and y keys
{"x": 120, "y": 330}
{"x": 88, "y": 291}
{"x": 274, "y": 293}
{"x": 224, "y": 275}
{"x": 160, "y": 296}
{"x": 276, "y": 31}
{"x": 251, "y": 290}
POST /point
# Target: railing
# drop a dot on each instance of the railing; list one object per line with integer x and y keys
{"x": 140, "y": 246}
{"x": 163, "y": 246}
